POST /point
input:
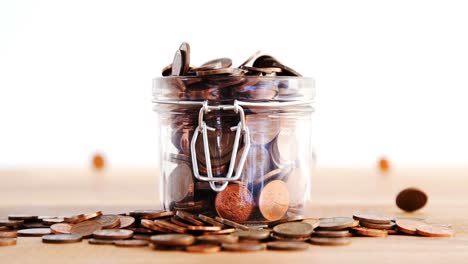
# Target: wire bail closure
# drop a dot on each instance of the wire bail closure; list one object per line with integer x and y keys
{"x": 203, "y": 128}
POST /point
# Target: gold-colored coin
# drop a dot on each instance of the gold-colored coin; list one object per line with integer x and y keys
{"x": 370, "y": 232}
{"x": 243, "y": 247}
{"x": 252, "y": 234}
{"x": 293, "y": 229}
{"x": 372, "y": 218}
{"x": 326, "y": 241}
{"x": 203, "y": 248}
{"x": 378, "y": 226}
{"x": 338, "y": 233}
{"x": 131, "y": 243}
{"x": 287, "y": 245}
{"x": 335, "y": 223}
{"x": 218, "y": 239}
{"x": 173, "y": 239}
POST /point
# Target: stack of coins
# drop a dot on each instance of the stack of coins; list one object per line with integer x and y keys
{"x": 271, "y": 174}
{"x": 181, "y": 230}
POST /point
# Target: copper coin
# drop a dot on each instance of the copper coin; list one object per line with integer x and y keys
{"x": 126, "y": 221}
{"x": 61, "y": 239}
{"x": 265, "y": 70}
{"x": 142, "y": 213}
{"x": 293, "y": 229}
{"x": 435, "y": 231}
{"x": 95, "y": 241}
{"x": 113, "y": 234}
{"x": 142, "y": 230}
{"x": 243, "y": 247}
{"x": 108, "y": 221}
{"x": 178, "y": 64}
{"x": 141, "y": 237}
{"x": 166, "y": 71}
{"x": 86, "y": 228}
{"x": 181, "y": 182}
{"x": 326, "y": 241}
{"x": 338, "y": 233}
{"x": 8, "y": 234}
{"x": 378, "y": 226}
{"x": 372, "y": 218}
{"x": 222, "y": 231}
{"x": 274, "y": 200}
{"x": 11, "y": 223}
{"x": 61, "y": 228}
{"x": 209, "y": 220}
{"x": 314, "y": 222}
{"x": 32, "y": 232}
{"x": 223, "y": 71}
{"x": 75, "y": 219}
{"x": 51, "y": 221}
{"x": 93, "y": 215}
{"x": 231, "y": 223}
{"x": 259, "y": 234}
{"x": 158, "y": 215}
{"x": 287, "y": 245}
{"x": 218, "y": 239}
{"x": 185, "y": 48}
{"x": 131, "y": 243}
{"x": 253, "y": 56}
{"x": 173, "y": 239}
{"x": 269, "y": 61}
{"x": 291, "y": 218}
{"x": 215, "y": 64}
{"x": 189, "y": 218}
{"x": 235, "y": 203}
{"x": 149, "y": 224}
{"x": 335, "y": 223}
{"x": 203, "y": 248}
{"x": 204, "y": 228}
{"x": 408, "y": 226}
{"x": 170, "y": 226}
{"x": 370, "y": 232}
{"x": 7, "y": 242}
{"x": 23, "y": 217}
{"x": 177, "y": 221}
{"x": 411, "y": 199}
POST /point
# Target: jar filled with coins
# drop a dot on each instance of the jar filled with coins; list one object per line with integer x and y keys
{"x": 234, "y": 142}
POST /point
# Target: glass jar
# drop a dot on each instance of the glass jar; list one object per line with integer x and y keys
{"x": 238, "y": 147}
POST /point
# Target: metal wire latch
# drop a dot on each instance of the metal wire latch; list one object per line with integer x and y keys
{"x": 241, "y": 129}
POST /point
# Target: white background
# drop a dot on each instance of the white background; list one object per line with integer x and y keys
{"x": 391, "y": 76}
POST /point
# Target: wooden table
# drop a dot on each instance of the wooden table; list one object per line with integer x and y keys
{"x": 335, "y": 192}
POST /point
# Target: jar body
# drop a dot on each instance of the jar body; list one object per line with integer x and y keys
{"x": 273, "y": 158}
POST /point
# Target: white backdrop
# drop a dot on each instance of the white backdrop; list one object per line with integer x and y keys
{"x": 391, "y": 76}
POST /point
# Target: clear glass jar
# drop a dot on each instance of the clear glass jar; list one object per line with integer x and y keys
{"x": 254, "y": 132}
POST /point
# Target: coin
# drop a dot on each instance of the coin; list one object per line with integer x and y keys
{"x": 51, "y": 221}
{"x": 252, "y": 234}
{"x": 158, "y": 215}
{"x": 7, "y": 242}
{"x": 269, "y": 61}
{"x": 378, "y": 226}
{"x": 266, "y": 70}
{"x": 215, "y": 64}
{"x": 370, "y": 232}
{"x": 141, "y": 237}
{"x": 189, "y": 218}
{"x": 286, "y": 219}
{"x": 61, "y": 228}
{"x": 131, "y": 243}
{"x": 93, "y": 215}
{"x": 95, "y": 241}
{"x": 113, "y": 234}
{"x": 411, "y": 199}
{"x": 271, "y": 175}
{"x": 177, "y": 221}
{"x": 335, "y": 223}
{"x": 126, "y": 221}
{"x": 253, "y": 56}
{"x": 185, "y": 48}
{"x": 166, "y": 71}
{"x": 181, "y": 182}
{"x": 234, "y": 203}
{"x": 11, "y": 223}
{"x": 210, "y": 220}
{"x": 231, "y": 223}
{"x": 408, "y": 226}
{"x": 222, "y": 231}
{"x": 61, "y": 239}
{"x": 204, "y": 228}
{"x": 338, "y": 233}
{"x": 23, "y": 217}
{"x": 203, "y": 248}
{"x": 86, "y": 228}
{"x": 31, "y": 232}
{"x": 223, "y": 71}
{"x": 314, "y": 222}
{"x": 150, "y": 225}
{"x": 372, "y": 218}
{"x": 274, "y": 200}
{"x": 170, "y": 226}
{"x": 326, "y": 241}
{"x": 8, "y": 234}
{"x": 173, "y": 239}
{"x": 287, "y": 245}
{"x": 218, "y": 239}
{"x": 142, "y": 213}
{"x": 435, "y": 231}
{"x": 293, "y": 229}
{"x": 178, "y": 64}
{"x": 243, "y": 247}
{"x": 75, "y": 219}
{"x": 108, "y": 221}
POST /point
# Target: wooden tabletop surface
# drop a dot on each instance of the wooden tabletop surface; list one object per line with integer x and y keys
{"x": 335, "y": 192}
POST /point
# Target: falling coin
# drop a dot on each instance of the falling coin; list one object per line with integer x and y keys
{"x": 411, "y": 199}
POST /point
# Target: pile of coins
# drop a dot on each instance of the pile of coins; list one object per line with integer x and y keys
{"x": 271, "y": 173}
{"x": 181, "y": 230}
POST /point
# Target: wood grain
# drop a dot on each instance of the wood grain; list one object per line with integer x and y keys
{"x": 335, "y": 192}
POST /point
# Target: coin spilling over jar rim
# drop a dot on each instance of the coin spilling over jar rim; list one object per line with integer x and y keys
{"x": 234, "y": 142}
